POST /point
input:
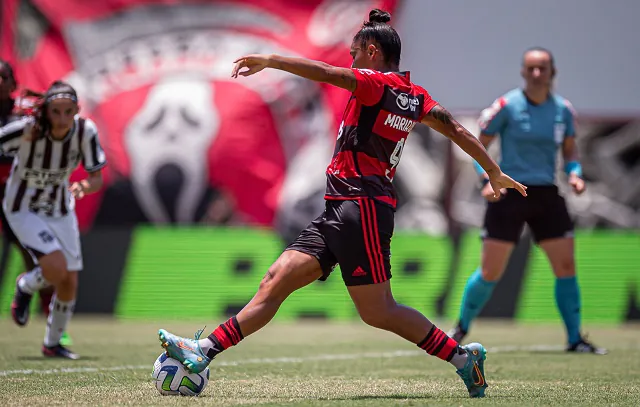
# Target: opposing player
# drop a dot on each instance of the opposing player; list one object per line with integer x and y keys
{"x": 356, "y": 227}
{"x": 9, "y": 112}
{"x": 533, "y": 123}
{"x": 39, "y": 202}
{"x": 8, "y": 86}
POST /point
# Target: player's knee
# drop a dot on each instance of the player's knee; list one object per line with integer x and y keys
{"x": 272, "y": 282}
{"x": 54, "y": 267}
{"x": 271, "y": 276}
{"x": 69, "y": 283}
{"x": 565, "y": 268}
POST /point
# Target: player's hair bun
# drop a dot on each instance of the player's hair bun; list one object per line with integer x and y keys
{"x": 379, "y": 16}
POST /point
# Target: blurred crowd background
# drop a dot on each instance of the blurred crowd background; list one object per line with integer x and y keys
{"x": 209, "y": 177}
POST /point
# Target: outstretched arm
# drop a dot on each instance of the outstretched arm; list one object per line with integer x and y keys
{"x": 485, "y": 140}
{"x": 443, "y": 122}
{"x": 306, "y": 68}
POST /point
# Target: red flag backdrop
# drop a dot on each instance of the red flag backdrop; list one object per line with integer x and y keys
{"x": 185, "y": 142}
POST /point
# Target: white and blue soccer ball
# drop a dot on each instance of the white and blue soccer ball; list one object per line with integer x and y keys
{"x": 173, "y": 379}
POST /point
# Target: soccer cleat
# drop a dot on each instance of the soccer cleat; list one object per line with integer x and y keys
{"x": 20, "y": 305}
{"x": 457, "y": 333}
{"x": 59, "y": 351}
{"x": 186, "y": 351}
{"x": 583, "y": 346}
{"x": 473, "y": 371}
{"x": 66, "y": 340}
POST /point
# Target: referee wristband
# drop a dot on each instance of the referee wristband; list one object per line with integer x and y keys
{"x": 573, "y": 167}
{"x": 478, "y": 168}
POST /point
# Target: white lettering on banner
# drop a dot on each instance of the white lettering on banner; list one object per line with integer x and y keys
{"x": 399, "y": 123}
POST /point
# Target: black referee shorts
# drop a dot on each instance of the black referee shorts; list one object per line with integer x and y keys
{"x": 544, "y": 210}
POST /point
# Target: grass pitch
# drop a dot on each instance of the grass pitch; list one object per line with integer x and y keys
{"x": 319, "y": 364}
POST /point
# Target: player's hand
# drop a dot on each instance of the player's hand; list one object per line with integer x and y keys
{"x": 577, "y": 183}
{"x": 254, "y": 64}
{"x": 502, "y": 181}
{"x": 77, "y": 190}
{"x": 489, "y": 195}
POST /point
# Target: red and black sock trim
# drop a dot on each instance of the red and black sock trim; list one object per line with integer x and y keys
{"x": 437, "y": 343}
{"x": 225, "y": 336}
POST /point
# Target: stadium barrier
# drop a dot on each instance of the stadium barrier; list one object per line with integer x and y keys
{"x": 206, "y": 273}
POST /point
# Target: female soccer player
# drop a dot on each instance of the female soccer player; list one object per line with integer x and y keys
{"x": 9, "y": 112}
{"x": 533, "y": 123}
{"x": 356, "y": 227}
{"x": 39, "y": 202}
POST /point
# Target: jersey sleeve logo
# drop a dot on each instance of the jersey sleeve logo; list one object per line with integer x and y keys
{"x": 405, "y": 102}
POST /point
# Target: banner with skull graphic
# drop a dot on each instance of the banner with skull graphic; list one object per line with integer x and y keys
{"x": 186, "y": 144}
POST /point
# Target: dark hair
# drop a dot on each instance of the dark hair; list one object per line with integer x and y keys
{"x": 5, "y": 66}
{"x": 377, "y": 29}
{"x": 552, "y": 60}
{"x": 6, "y": 105}
{"x": 57, "y": 90}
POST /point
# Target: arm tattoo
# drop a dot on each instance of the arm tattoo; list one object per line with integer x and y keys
{"x": 348, "y": 80}
{"x": 441, "y": 114}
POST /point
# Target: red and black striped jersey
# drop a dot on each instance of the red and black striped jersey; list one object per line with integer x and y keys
{"x": 379, "y": 116}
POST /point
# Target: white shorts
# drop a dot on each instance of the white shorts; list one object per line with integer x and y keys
{"x": 43, "y": 235}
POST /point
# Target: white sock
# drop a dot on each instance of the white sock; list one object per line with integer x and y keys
{"x": 59, "y": 316}
{"x": 206, "y": 344}
{"x": 32, "y": 281}
{"x": 459, "y": 359}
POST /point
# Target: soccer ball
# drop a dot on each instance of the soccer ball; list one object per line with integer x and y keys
{"x": 172, "y": 379}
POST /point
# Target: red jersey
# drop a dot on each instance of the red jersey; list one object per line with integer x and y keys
{"x": 382, "y": 111}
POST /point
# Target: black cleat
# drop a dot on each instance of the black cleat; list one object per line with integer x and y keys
{"x": 59, "y": 351}
{"x": 20, "y": 305}
{"x": 457, "y": 333}
{"x": 583, "y": 346}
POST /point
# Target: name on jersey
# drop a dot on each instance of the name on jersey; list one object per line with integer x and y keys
{"x": 399, "y": 123}
{"x": 43, "y": 178}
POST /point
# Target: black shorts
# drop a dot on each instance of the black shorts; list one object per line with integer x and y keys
{"x": 356, "y": 234}
{"x": 544, "y": 210}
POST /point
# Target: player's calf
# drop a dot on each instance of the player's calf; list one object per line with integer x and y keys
{"x": 54, "y": 267}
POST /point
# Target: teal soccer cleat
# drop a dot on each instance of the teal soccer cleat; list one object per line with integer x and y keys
{"x": 473, "y": 371}
{"x": 186, "y": 351}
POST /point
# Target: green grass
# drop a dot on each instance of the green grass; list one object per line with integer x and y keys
{"x": 374, "y": 376}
